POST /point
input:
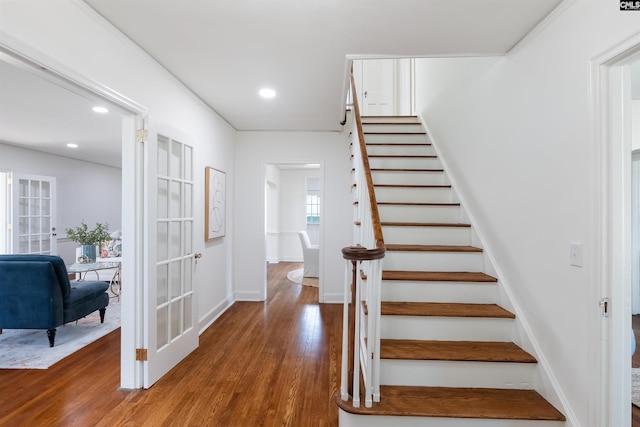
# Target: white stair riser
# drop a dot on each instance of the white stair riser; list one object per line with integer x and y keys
{"x": 446, "y": 328}
{"x": 415, "y": 163}
{"x": 413, "y": 195}
{"x": 395, "y": 127}
{"x": 401, "y": 150}
{"x": 434, "y": 261}
{"x": 390, "y": 138}
{"x": 407, "y": 178}
{"x": 406, "y": 213}
{"x": 437, "y": 373}
{"x": 427, "y": 235}
{"x": 346, "y": 419}
{"x": 389, "y": 119}
{"x": 455, "y": 292}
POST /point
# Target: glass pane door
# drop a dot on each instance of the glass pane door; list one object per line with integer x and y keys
{"x": 33, "y": 218}
{"x": 171, "y": 321}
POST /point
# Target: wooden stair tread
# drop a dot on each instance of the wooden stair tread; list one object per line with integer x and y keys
{"x": 385, "y": 116}
{"x": 417, "y": 204}
{"x": 404, "y": 170}
{"x": 411, "y": 186}
{"x": 431, "y": 248}
{"x": 425, "y": 224}
{"x": 448, "y": 402}
{"x": 400, "y": 156}
{"x": 365, "y": 118}
{"x": 399, "y": 144}
{"x": 444, "y": 309}
{"x": 395, "y": 133}
{"x": 437, "y": 276}
{"x": 477, "y": 351}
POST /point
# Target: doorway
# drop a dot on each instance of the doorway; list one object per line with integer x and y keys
{"x": 73, "y": 169}
{"x": 612, "y": 98}
{"x": 385, "y": 86}
{"x": 293, "y": 204}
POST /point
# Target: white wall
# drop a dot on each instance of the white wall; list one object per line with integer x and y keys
{"x": 69, "y": 35}
{"x": 293, "y": 199}
{"x": 517, "y": 135}
{"x": 253, "y": 151}
{"x": 85, "y": 191}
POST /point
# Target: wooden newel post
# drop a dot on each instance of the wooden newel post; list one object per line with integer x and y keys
{"x": 356, "y": 254}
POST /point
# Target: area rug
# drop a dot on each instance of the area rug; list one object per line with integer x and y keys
{"x": 635, "y": 386}
{"x": 296, "y": 277}
{"x": 29, "y": 348}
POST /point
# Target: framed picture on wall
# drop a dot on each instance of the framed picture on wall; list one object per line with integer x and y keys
{"x": 215, "y": 206}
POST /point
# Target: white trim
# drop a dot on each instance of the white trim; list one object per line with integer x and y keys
{"x": 610, "y": 85}
{"x": 333, "y": 298}
{"x": 213, "y": 314}
{"x": 52, "y": 70}
{"x": 248, "y": 295}
{"x": 546, "y": 384}
{"x": 540, "y": 27}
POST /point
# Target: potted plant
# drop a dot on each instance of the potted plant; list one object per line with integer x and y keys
{"x": 88, "y": 239}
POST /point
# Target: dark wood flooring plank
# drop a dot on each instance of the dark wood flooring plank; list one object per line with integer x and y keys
{"x": 260, "y": 364}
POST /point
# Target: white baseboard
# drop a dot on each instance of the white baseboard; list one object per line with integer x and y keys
{"x": 333, "y": 298}
{"x": 213, "y": 314}
{"x": 248, "y": 296}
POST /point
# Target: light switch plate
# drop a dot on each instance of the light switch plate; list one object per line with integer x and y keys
{"x": 575, "y": 254}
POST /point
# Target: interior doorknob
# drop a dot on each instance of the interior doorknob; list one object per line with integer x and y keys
{"x": 365, "y": 93}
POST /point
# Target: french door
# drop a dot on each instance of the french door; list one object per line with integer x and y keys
{"x": 33, "y": 221}
{"x": 170, "y": 312}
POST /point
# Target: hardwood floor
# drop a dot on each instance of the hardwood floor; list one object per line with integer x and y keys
{"x": 260, "y": 364}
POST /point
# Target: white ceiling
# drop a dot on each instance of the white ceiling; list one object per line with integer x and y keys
{"x": 44, "y": 116}
{"x": 225, "y": 51}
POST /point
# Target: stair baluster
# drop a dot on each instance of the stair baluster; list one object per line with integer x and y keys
{"x": 361, "y": 320}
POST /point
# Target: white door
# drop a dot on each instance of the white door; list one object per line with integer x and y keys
{"x": 33, "y": 220}
{"x": 171, "y": 331}
{"x": 377, "y": 87}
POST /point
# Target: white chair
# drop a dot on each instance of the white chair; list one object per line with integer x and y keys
{"x": 311, "y": 254}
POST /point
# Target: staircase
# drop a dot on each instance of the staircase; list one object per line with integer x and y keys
{"x": 447, "y": 356}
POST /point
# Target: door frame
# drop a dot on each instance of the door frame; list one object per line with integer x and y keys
{"x": 133, "y": 117}
{"x": 263, "y": 288}
{"x": 610, "y": 93}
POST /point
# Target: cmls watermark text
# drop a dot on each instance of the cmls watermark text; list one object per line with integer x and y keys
{"x": 630, "y": 5}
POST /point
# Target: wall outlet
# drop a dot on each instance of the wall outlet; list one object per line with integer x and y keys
{"x": 575, "y": 254}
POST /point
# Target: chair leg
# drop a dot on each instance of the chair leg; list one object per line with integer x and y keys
{"x": 51, "y": 333}
{"x": 102, "y": 311}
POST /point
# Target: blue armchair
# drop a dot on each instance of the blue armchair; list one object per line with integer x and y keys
{"x": 35, "y": 293}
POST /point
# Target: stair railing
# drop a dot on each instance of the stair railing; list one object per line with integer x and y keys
{"x": 363, "y": 279}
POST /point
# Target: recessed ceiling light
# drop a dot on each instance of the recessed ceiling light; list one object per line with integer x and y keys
{"x": 267, "y": 93}
{"x": 101, "y": 110}
{"x": 72, "y": 145}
